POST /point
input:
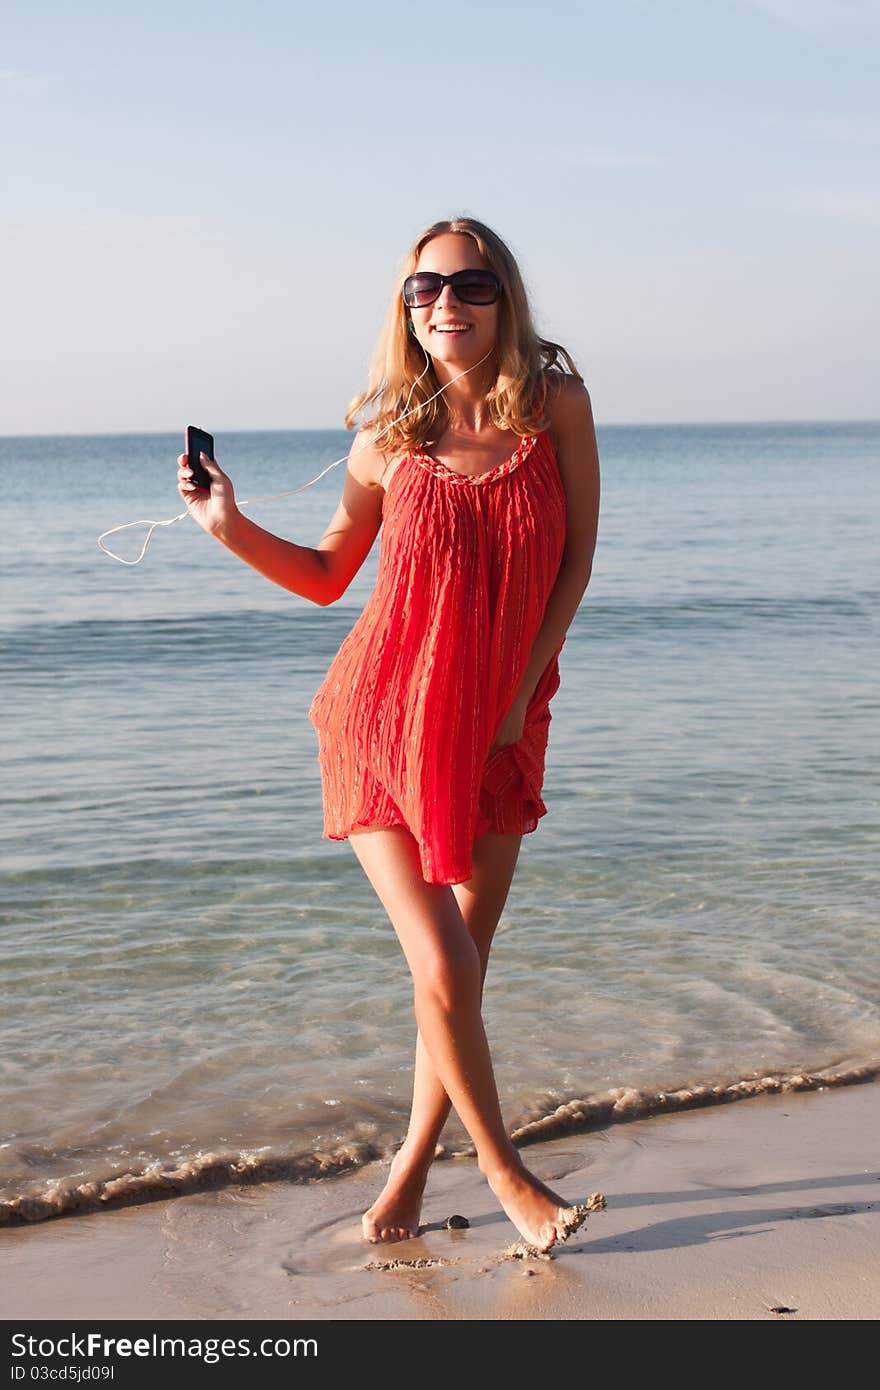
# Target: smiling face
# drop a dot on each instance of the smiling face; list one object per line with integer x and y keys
{"x": 447, "y": 253}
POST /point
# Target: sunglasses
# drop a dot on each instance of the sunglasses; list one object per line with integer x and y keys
{"x": 470, "y": 286}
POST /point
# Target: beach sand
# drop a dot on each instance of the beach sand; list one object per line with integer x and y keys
{"x": 770, "y": 1203}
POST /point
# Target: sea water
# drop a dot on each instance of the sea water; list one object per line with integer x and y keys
{"x": 188, "y": 968}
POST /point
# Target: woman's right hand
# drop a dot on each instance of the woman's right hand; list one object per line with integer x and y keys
{"x": 211, "y": 509}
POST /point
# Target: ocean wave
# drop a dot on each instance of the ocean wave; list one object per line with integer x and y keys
{"x": 239, "y": 637}
{"x": 618, "y": 1105}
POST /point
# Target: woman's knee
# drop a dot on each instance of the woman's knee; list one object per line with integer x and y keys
{"x": 444, "y": 959}
{"x": 450, "y": 975}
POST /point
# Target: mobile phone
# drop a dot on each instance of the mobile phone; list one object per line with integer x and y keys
{"x": 198, "y": 441}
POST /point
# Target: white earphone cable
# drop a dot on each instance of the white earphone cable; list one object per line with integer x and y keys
{"x": 276, "y": 495}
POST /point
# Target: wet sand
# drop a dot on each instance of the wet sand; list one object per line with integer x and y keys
{"x": 765, "y": 1208}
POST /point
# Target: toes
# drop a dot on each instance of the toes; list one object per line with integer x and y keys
{"x": 570, "y": 1220}
{"x": 386, "y": 1234}
{"x": 395, "y": 1233}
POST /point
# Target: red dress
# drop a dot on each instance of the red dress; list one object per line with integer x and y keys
{"x": 417, "y": 691}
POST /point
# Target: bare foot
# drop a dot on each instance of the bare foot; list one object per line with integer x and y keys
{"x": 539, "y": 1214}
{"x": 395, "y": 1213}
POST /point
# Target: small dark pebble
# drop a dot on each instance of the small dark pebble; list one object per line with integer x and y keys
{"x": 781, "y": 1308}
{"x": 457, "y": 1223}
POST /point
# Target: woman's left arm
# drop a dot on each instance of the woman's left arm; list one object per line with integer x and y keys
{"x": 578, "y": 458}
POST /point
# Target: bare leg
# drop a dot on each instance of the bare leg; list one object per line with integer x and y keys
{"x": 395, "y": 1213}
{"x": 445, "y": 965}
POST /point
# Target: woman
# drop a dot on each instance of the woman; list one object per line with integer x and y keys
{"x": 433, "y": 719}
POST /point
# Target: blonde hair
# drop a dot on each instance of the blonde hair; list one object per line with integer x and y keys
{"x": 525, "y": 361}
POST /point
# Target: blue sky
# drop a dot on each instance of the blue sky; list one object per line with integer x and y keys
{"x": 205, "y": 205}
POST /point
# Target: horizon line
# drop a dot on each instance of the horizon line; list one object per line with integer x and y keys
{"x": 325, "y": 429}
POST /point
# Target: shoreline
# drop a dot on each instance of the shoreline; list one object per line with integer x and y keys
{"x": 164, "y": 1180}
{"x": 725, "y": 1212}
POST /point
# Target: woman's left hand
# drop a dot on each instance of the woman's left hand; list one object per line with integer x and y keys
{"x": 512, "y": 726}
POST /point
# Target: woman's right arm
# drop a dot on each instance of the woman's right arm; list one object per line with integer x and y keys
{"x": 321, "y": 574}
